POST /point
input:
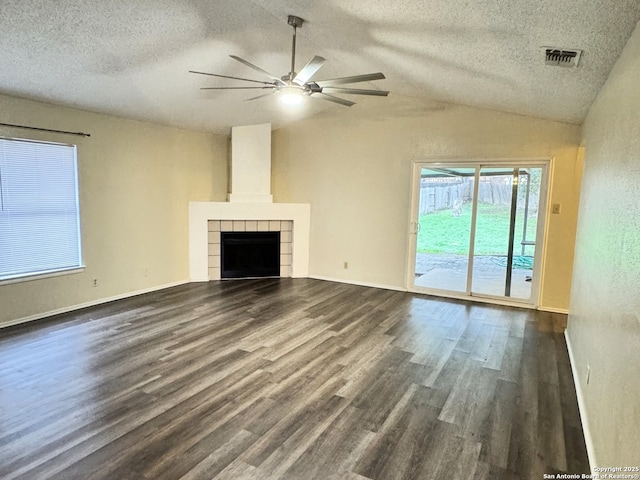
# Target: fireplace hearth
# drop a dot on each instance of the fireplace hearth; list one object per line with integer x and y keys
{"x": 250, "y": 254}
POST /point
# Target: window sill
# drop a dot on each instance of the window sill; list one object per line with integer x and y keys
{"x": 40, "y": 276}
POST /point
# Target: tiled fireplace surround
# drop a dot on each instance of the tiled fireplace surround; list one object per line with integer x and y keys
{"x": 291, "y": 219}
{"x": 215, "y": 227}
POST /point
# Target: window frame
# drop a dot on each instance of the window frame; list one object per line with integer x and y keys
{"x": 58, "y": 271}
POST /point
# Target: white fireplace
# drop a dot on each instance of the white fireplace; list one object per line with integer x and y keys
{"x": 200, "y": 213}
{"x": 250, "y": 205}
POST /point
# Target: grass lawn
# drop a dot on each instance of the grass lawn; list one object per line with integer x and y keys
{"x": 442, "y": 232}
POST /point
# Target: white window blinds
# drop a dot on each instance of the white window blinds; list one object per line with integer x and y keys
{"x": 39, "y": 215}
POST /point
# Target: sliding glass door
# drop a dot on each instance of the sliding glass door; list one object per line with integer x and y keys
{"x": 475, "y": 228}
{"x": 444, "y": 228}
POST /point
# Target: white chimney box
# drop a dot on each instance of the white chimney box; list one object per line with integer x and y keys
{"x": 250, "y": 176}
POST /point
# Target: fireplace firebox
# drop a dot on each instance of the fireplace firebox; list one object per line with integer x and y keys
{"x": 250, "y": 254}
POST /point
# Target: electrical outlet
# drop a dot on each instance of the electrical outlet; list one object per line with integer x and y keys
{"x": 95, "y": 282}
{"x": 588, "y": 374}
{"x": 555, "y": 208}
{"x": 346, "y": 265}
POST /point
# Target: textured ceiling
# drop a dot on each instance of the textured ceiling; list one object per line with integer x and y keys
{"x": 131, "y": 58}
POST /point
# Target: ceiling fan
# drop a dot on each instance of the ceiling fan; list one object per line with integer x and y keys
{"x": 294, "y": 86}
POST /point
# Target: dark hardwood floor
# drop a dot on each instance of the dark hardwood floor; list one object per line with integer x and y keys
{"x": 288, "y": 379}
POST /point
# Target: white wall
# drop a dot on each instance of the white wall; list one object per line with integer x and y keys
{"x": 355, "y": 173}
{"x": 604, "y": 321}
{"x": 135, "y": 181}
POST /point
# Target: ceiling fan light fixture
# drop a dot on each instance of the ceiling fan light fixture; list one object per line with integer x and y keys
{"x": 291, "y": 95}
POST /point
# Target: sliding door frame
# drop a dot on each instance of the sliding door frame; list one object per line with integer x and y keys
{"x": 545, "y": 164}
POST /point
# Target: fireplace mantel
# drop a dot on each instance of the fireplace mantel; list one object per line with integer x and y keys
{"x": 201, "y": 212}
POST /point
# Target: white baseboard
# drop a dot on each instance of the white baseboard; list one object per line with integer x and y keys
{"x": 92, "y": 303}
{"x": 588, "y": 439}
{"x": 448, "y": 295}
{"x": 361, "y": 284}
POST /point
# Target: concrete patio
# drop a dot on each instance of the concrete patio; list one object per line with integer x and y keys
{"x": 449, "y": 272}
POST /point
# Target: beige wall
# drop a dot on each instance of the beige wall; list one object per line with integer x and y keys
{"x": 135, "y": 180}
{"x": 356, "y": 174}
{"x": 604, "y": 323}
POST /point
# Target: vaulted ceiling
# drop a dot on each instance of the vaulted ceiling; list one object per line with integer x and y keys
{"x": 131, "y": 58}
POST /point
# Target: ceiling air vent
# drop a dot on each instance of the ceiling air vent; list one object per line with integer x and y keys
{"x": 562, "y": 57}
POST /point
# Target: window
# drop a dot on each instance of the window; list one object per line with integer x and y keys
{"x": 39, "y": 215}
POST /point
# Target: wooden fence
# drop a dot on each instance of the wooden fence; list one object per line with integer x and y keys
{"x": 442, "y": 196}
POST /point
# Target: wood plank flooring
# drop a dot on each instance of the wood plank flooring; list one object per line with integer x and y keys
{"x": 288, "y": 379}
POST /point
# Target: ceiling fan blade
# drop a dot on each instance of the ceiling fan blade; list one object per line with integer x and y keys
{"x": 258, "y": 69}
{"x": 309, "y": 70}
{"x": 232, "y": 78}
{"x": 331, "y": 98}
{"x": 236, "y": 88}
{"x": 259, "y": 96}
{"x": 355, "y": 91}
{"x": 355, "y": 79}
